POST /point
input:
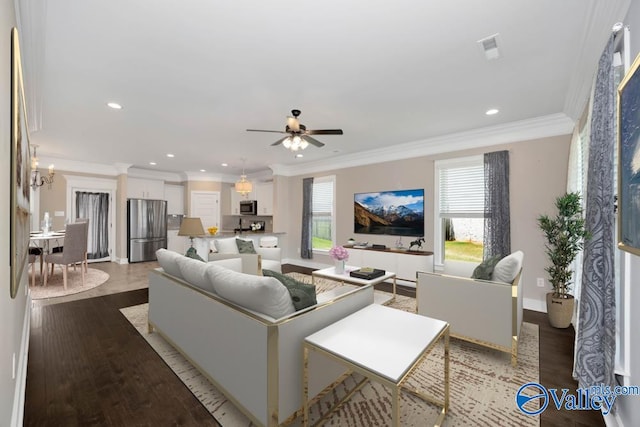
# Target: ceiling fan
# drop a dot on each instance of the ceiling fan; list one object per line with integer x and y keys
{"x": 298, "y": 136}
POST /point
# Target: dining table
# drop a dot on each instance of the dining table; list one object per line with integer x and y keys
{"x": 43, "y": 240}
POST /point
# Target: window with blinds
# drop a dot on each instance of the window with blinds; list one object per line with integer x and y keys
{"x": 462, "y": 191}
{"x": 459, "y": 210}
{"x": 323, "y": 213}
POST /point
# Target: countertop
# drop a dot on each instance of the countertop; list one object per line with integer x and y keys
{"x": 230, "y": 233}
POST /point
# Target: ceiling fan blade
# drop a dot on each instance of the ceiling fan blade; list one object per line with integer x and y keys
{"x": 324, "y": 132}
{"x": 278, "y": 142}
{"x": 262, "y": 130}
{"x": 293, "y": 124}
{"x": 313, "y": 141}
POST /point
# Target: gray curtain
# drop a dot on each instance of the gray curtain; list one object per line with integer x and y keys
{"x": 95, "y": 207}
{"x": 595, "y": 341}
{"x": 306, "y": 245}
{"x": 497, "y": 222}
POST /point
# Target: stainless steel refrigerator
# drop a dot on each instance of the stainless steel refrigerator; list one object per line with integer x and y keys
{"x": 146, "y": 228}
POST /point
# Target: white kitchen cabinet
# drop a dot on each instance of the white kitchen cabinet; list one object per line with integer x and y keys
{"x": 264, "y": 196}
{"x": 404, "y": 264}
{"x": 139, "y": 188}
{"x": 174, "y": 195}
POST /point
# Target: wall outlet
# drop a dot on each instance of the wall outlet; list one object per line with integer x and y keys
{"x": 540, "y": 282}
{"x": 58, "y": 213}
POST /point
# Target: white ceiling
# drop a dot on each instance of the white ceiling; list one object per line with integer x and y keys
{"x": 193, "y": 75}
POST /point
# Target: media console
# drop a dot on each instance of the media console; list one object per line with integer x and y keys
{"x": 403, "y": 262}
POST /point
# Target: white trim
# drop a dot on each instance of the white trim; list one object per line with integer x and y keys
{"x": 613, "y": 419}
{"x": 520, "y": 131}
{"x": 534, "y": 304}
{"x": 17, "y": 413}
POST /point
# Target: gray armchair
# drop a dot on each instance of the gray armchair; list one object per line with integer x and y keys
{"x": 75, "y": 248}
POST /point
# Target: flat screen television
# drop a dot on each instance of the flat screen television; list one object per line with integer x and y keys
{"x": 394, "y": 213}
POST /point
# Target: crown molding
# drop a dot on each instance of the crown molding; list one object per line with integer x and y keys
{"x": 81, "y": 167}
{"x": 524, "y": 130}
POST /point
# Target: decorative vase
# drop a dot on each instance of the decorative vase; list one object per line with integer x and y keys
{"x": 560, "y": 310}
{"x": 340, "y": 266}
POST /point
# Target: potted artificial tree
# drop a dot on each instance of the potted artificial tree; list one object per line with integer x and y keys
{"x": 565, "y": 236}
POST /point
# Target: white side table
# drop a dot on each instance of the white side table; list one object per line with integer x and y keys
{"x": 383, "y": 344}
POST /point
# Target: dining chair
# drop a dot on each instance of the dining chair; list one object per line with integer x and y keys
{"x": 86, "y": 239}
{"x": 32, "y": 261}
{"x": 73, "y": 252}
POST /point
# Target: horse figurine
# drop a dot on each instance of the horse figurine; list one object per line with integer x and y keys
{"x": 418, "y": 242}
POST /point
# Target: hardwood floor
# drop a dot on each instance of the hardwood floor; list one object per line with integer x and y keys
{"x": 89, "y": 367}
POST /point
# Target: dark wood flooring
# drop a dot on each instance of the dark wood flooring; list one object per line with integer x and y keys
{"x": 89, "y": 367}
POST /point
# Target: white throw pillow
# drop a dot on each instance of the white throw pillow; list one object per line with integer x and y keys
{"x": 234, "y": 264}
{"x": 168, "y": 260}
{"x": 227, "y": 246}
{"x": 195, "y": 272}
{"x": 508, "y": 267}
{"x": 258, "y": 293}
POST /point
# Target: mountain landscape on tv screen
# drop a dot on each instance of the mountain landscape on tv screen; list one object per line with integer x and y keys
{"x": 398, "y": 213}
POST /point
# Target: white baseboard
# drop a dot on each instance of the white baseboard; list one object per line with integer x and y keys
{"x": 611, "y": 420}
{"x": 122, "y": 260}
{"x": 17, "y": 414}
{"x": 534, "y": 304}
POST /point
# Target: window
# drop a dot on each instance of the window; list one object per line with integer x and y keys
{"x": 459, "y": 210}
{"x": 323, "y": 222}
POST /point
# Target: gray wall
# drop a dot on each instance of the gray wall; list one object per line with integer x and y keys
{"x": 12, "y": 311}
{"x": 538, "y": 174}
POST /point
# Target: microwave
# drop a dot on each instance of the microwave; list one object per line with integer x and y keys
{"x": 248, "y": 207}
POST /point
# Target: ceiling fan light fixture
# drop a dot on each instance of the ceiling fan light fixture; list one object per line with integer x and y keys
{"x": 303, "y": 144}
{"x": 287, "y": 143}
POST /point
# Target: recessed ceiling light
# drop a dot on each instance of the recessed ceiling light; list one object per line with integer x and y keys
{"x": 492, "y": 111}
{"x": 299, "y": 155}
{"x": 114, "y": 105}
{"x": 202, "y": 170}
{"x": 152, "y": 163}
{"x": 170, "y": 155}
{"x": 224, "y": 165}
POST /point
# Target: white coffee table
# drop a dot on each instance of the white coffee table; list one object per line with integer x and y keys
{"x": 383, "y": 344}
{"x": 330, "y": 273}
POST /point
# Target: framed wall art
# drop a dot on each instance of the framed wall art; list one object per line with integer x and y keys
{"x": 20, "y": 171}
{"x": 629, "y": 160}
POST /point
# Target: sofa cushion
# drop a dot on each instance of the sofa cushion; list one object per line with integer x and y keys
{"x": 194, "y": 272}
{"x": 227, "y": 246}
{"x": 303, "y": 295}
{"x": 258, "y": 293}
{"x": 484, "y": 270}
{"x": 245, "y": 246}
{"x": 508, "y": 268}
{"x": 168, "y": 260}
{"x": 234, "y": 264}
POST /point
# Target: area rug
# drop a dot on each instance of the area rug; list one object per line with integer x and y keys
{"x": 483, "y": 384}
{"x": 55, "y": 287}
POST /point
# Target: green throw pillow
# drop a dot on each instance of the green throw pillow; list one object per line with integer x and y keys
{"x": 245, "y": 246}
{"x": 485, "y": 269}
{"x": 303, "y": 295}
{"x": 192, "y": 253}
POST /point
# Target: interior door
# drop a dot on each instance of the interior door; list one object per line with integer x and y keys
{"x": 206, "y": 206}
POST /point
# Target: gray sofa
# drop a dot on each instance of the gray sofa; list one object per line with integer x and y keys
{"x": 252, "y": 357}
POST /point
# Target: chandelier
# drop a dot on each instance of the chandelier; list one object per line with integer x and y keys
{"x": 243, "y": 186}
{"x": 38, "y": 180}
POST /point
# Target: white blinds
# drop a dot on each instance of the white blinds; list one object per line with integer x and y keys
{"x": 323, "y": 197}
{"x": 462, "y": 191}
